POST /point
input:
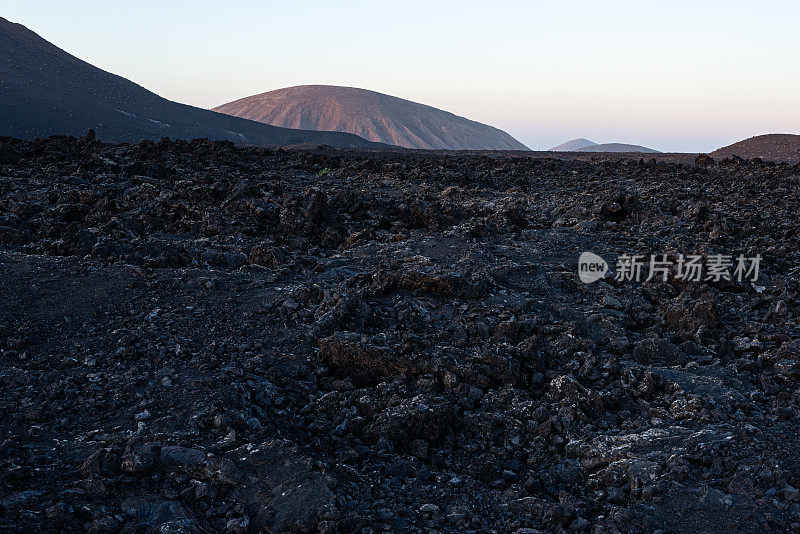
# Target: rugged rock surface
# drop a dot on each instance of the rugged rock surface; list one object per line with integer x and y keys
{"x": 201, "y": 338}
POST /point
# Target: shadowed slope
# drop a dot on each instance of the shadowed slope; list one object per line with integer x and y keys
{"x": 46, "y": 91}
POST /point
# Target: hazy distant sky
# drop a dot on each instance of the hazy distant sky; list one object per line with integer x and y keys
{"x": 673, "y": 75}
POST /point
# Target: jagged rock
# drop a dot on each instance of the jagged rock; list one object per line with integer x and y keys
{"x": 140, "y": 457}
{"x": 703, "y": 160}
{"x": 658, "y": 351}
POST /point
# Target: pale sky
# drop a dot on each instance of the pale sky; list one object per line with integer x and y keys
{"x": 672, "y": 75}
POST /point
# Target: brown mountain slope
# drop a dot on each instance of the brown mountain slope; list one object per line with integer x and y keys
{"x": 374, "y": 116}
{"x": 46, "y": 91}
{"x": 773, "y": 147}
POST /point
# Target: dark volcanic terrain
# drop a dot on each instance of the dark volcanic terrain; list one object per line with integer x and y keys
{"x": 202, "y": 338}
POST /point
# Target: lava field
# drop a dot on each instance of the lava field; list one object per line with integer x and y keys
{"x": 198, "y": 337}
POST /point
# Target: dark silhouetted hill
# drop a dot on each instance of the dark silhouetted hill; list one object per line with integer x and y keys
{"x": 46, "y": 91}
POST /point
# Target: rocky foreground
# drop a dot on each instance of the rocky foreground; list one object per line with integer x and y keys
{"x": 202, "y": 338}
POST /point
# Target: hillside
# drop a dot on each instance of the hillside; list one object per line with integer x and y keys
{"x": 571, "y": 146}
{"x": 773, "y": 147}
{"x": 617, "y": 147}
{"x": 46, "y": 91}
{"x": 584, "y": 145}
{"x": 371, "y": 115}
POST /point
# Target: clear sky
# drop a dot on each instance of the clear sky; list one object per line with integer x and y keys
{"x": 673, "y": 74}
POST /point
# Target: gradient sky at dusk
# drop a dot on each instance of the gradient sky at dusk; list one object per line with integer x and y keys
{"x": 673, "y": 75}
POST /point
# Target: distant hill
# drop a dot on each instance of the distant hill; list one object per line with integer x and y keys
{"x": 45, "y": 91}
{"x": 617, "y": 147}
{"x": 572, "y": 146}
{"x": 773, "y": 147}
{"x": 374, "y": 116}
{"x": 584, "y": 145}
